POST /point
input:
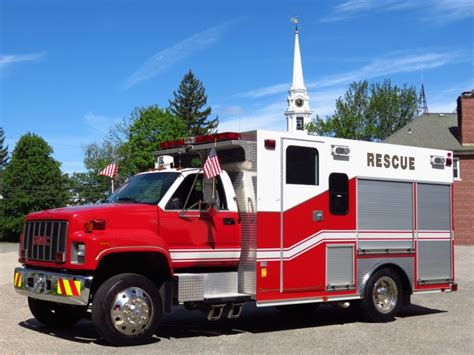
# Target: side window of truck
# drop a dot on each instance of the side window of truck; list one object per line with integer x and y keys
{"x": 302, "y": 165}
{"x": 338, "y": 194}
{"x": 178, "y": 199}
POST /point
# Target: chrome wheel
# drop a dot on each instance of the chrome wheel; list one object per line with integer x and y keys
{"x": 385, "y": 294}
{"x": 131, "y": 311}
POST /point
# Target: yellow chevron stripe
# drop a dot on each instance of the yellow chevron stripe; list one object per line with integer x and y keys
{"x": 67, "y": 287}
{"x": 58, "y": 289}
{"x": 78, "y": 286}
{"x": 17, "y": 280}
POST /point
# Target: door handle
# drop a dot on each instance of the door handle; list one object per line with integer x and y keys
{"x": 318, "y": 216}
{"x": 229, "y": 221}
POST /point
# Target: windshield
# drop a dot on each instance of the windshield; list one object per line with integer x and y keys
{"x": 145, "y": 188}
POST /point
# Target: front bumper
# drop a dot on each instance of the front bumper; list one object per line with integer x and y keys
{"x": 52, "y": 286}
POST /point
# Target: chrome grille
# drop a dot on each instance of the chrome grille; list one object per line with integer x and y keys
{"x": 43, "y": 239}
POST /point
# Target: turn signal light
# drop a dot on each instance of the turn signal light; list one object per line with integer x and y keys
{"x": 94, "y": 225}
{"x": 60, "y": 256}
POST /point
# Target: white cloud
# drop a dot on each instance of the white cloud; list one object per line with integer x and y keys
{"x": 265, "y": 91}
{"x": 267, "y": 117}
{"x": 72, "y": 166}
{"x": 9, "y": 59}
{"x": 393, "y": 64}
{"x": 384, "y": 66}
{"x": 164, "y": 59}
{"x": 439, "y": 11}
{"x": 445, "y": 100}
{"x": 452, "y": 10}
{"x": 99, "y": 123}
{"x": 323, "y": 100}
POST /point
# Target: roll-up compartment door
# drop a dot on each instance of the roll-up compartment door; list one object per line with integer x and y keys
{"x": 434, "y": 233}
{"x": 384, "y": 214}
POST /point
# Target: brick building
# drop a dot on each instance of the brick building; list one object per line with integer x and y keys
{"x": 452, "y": 132}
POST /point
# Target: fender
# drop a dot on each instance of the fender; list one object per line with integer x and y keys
{"x": 152, "y": 245}
{"x": 368, "y": 266}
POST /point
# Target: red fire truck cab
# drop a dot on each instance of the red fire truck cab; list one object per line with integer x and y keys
{"x": 292, "y": 219}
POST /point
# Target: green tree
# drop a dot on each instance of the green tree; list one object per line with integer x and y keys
{"x": 3, "y": 150}
{"x": 131, "y": 143}
{"x": 90, "y": 187}
{"x": 87, "y": 188}
{"x": 150, "y": 127}
{"x": 369, "y": 113}
{"x": 32, "y": 182}
{"x": 189, "y": 104}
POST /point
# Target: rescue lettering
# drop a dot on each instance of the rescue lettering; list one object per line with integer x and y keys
{"x": 378, "y": 160}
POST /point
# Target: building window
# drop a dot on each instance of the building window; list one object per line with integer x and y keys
{"x": 299, "y": 123}
{"x": 302, "y": 165}
{"x": 456, "y": 169}
{"x": 338, "y": 194}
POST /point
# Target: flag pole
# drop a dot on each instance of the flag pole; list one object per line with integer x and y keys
{"x": 112, "y": 185}
{"x": 214, "y": 178}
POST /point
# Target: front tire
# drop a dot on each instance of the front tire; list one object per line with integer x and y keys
{"x": 127, "y": 309}
{"x": 56, "y": 315}
{"x": 382, "y": 297}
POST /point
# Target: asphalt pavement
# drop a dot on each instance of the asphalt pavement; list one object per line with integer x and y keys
{"x": 433, "y": 324}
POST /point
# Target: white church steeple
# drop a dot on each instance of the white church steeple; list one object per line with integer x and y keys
{"x": 298, "y": 113}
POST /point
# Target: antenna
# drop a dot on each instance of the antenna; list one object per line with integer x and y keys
{"x": 295, "y": 20}
{"x": 422, "y": 104}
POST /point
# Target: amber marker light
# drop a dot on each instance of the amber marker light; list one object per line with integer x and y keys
{"x": 94, "y": 225}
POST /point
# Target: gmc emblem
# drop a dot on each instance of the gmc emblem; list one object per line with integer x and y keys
{"x": 40, "y": 240}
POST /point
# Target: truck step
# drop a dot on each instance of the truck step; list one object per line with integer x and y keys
{"x": 227, "y": 297}
{"x": 235, "y": 310}
{"x": 215, "y": 311}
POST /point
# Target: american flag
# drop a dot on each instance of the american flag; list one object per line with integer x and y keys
{"x": 110, "y": 170}
{"x": 211, "y": 166}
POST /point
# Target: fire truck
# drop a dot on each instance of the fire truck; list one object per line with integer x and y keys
{"x": 292, "y": 220}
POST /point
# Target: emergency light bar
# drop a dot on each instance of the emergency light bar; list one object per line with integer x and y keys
{"x": 210, "y": 138}
{"x": 340, "y": 150}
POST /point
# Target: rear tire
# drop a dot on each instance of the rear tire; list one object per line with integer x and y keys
{"x": 127, "y": 309}
{"x": 382, "y": 297}
{"x": 56, "y": 315}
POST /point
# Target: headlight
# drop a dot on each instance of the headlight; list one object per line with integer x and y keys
{"x": 78, "y": 253}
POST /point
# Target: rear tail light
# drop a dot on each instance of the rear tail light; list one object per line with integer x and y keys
{"x": 270, "y": 144}
{"x": 449, "y": 160}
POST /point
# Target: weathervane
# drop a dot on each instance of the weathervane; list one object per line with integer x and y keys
{"x": 295, "y": 20}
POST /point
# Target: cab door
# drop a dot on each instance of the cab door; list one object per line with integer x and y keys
{"x": 303, "y": 212}
{"x": 187, "y": 223}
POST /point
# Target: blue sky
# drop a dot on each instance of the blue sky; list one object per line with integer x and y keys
{"x": 70, "y": 69}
